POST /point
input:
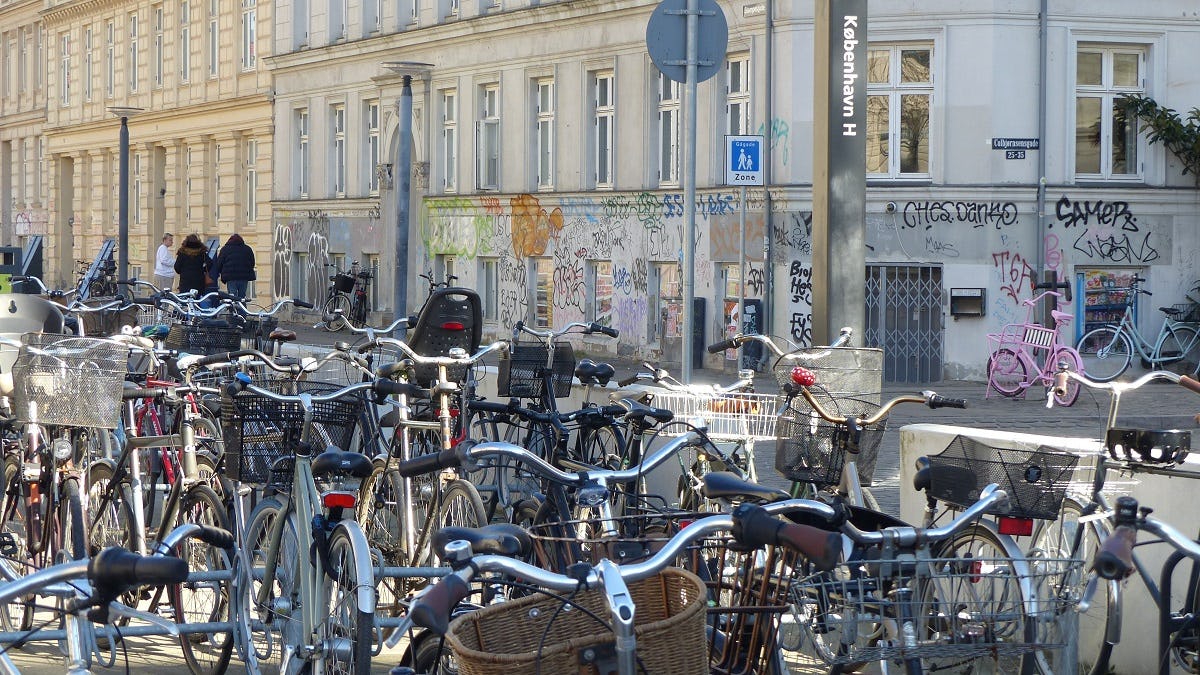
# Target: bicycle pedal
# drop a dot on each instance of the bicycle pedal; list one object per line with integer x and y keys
{"x": 9, "y": 544}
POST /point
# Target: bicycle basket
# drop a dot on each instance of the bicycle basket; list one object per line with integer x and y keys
{"x": 521, "y": 374}
{"x": 853, "y": 372}
{"x": 108, "y": 321}
{"x": 343, "y": 283}
{"x": 259, "y": 431}
{"x": 254, "y": 326}
{"x": 203, "y": 339}
{"x": 810, "y": 450}
{"x": 1189, "y": 312}
{"x": 69, "y": 380}
{"x": 1036, "y": 480}
{"x": 632, "y": 538}
{"x": 531, "y": 634}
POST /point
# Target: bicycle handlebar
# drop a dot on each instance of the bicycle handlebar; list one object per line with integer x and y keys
{"x": 662, "y": 378}
{"x": 990, "y": 498}
{"x": 449, "y": 361}
{"x": 737, "y": 341}
{"x": 1118, "y": 388}
{"x": 550, "y": 333}
{"x": 381, "y": 386}
{"x": 928, "y": 397}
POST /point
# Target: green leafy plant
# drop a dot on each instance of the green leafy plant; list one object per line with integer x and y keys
{"x": 1163, "y": 125}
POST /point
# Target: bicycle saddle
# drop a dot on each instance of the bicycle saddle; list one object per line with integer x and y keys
{"x": 727, "y": 485}
{"x": 282, "y": 335}
{"x": 333, "y": 460}
{"x": 638, "y": 412}
{"x": 497, "y": 539}
{"x": 590, "y": 372}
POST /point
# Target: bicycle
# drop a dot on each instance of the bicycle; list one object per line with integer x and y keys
{"x": 1081, "y": 528}
{"x": 346, "y": 299}
{"x": 1107, "y": 351}
{"x": 1027, "y": 354}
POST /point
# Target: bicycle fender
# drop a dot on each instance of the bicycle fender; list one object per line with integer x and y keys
{"x": 362, "y": 564}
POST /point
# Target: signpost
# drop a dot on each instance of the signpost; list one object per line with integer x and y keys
{"x": 743, "y": 167}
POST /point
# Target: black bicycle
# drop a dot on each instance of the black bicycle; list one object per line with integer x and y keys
{"x": 347, "y": 298}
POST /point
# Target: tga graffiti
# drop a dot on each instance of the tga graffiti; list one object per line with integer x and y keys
{"x": 1015, "y": 272}
{"x": 977, "y": 214}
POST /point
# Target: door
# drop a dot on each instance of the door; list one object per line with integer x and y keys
{"x": 904, "y": 318}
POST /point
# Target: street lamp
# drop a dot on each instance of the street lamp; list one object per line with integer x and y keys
{"x": 123, "y": 197}
{"x": 402, "y": 173}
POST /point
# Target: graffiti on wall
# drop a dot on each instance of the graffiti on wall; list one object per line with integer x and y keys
{"x": 800, "y": 288}
{"x": 1107, "y": 231}
{"x": 976, "y": 214}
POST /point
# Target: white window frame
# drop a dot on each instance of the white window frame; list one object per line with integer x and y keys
{"x": 135, "y": 164}
{"x": 249, "y": 34}
{"x": 487, "y": 137}
{"x": 448, "y": 149}
{"x": 303, "y": 155}
{"x": 598, "y": 307}
{"x": 604, "y": 114}
{"x": 22, "y": 58}
{"x": 132, "y": 68}
{"x": 1108, "y": 92}
{"x": 489, "y": 288}
{"x": 185, "y": 41}
{"x": 738, "y": 118}
{"x": 337, "y": 20}
{"x": 894, "y": 90}
{"x": 88, "y": 63}
{"x": 668, "y": 147}
{"x": 337, "y": 128}
{"x": 543, "y": 105}
{"x": 64, "y": 72}
{"x": 214, "y": 38}
{"x": 371, "y": 142}
{"x": 159, "y": 47}
{"x": 251, "y": 180}
{"x": 110, "y": 59}
{"x": 541, "y": 276}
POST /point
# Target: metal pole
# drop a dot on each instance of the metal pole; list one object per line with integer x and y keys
{"x": 402, "y": 174}
{"x": 742, "y": 269}
{"x": 689, "y": 188}
{"x": 123, "y": 204}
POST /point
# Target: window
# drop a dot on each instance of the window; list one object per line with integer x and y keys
{"x": 600, "y": 292}
{"x": 64, "y": 72}
{"x": 544, "y": 107}
{"x": 251, "y": 181}
{"x": 1106, "y": 142}
{"x": 187, "y": 185}
{"x": 159, "y": 46}
{"x": 604, "y": 113}
{"x": 22, "y": 58}
{"x": 338, "y": 160}
{"x": 668, "y": 130}
{"x": 371, "y": 125}
{"x": 337, "y": 20}
{"x": 301, "y": 164}
{"x": 300, "y": 23}
{"x": 110, "y": 58}
{"x": 249, "y": 34}
{"x": 899, "y": 92}
{"x": 300, "y": 277}
{"x": 371, "y": 263}
{"x": 670, "y": 300}
{"x": 185, "y": 41}
{"x": 133, "y": 52}
{"x": 488, "y": 138}
{"x": 489, "y": 288}
{"x": 449, "y": 145}
{"x": 216, "y": 174}
{"x": 372, "y": 11}
{"x": 737, "y": 95}
{"x": 87, "y": 64}
{"x": 444, "y": 267}
{"x": 731, "y": 279}
{"x": 452, "y": 7}
{"x": 543, "y": 288}
{"x": 135, "y": 167}
{"x": 10, "y": 64}
{"x": 214, "y": 36}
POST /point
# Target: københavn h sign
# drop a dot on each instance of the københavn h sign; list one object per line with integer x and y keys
{"x": 743, "y": 160}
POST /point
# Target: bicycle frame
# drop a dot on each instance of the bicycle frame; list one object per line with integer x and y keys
{"x": 1145, "y": 349}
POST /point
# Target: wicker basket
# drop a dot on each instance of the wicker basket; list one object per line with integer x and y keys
{"x": 1036, "y": 480}
{"x": 68, "y": 380}
{"x": 259, "y": 431}
{"x": 521, "y": 374}
{"x": 531, "y": 635}
{"x": 203, "y": 339}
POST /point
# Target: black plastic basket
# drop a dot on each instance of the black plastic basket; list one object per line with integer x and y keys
{"x": 253, "y": 324}
{"x": 1036, "y": 480}
{"x": 109, "y": 321}
{"x": 522, "y": 373}
{"x": 259, "y": 431}
{"x": 810, "y": 450}
{"x": 204, "y": 339}
{"x": 343, "y": 283}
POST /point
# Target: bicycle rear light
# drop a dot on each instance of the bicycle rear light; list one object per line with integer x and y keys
{"x": 1016, "y": 527}
{"x": 345, "y": 500}
{"x": 453, "y": 325}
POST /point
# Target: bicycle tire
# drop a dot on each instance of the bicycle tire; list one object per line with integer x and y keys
{"x": 601, "y": 446}
{"x": 1075, "y": 364}
{"x": 17, "y": 615}
{"x": 109, "y": 515}
{"x": 379, "y": 515}
{"x": 1055, "y": 539}
{"x": 1007, "y": 373}
{"x": 460, "y": 505}
{"x": 358, "y": 311}
{"x": 275, "y": 612}
{"x": 71, "y": 537}
{"x": 347, "y": 620}
{"x": 203, "y": 602}
{"x": 1105, "y": 352}
{"x": 1178, "y": 340}
{"x": 431, "y": 656}
{"x": 331, "y": 320}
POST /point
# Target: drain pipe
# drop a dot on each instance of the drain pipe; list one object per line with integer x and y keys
{"x": 1043, "y": 41}
{"x": 768, "y": 249}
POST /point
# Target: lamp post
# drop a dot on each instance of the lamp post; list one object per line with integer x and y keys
{"x": 123, "y": 195}
{"x": 402, "y": 173}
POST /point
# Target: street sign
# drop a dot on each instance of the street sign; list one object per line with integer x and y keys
{"x": 1016, "y": 144}
{"x": 743, "y": 160}
{"x": 666, "y": 39}
{"x": 1014, "y": 154}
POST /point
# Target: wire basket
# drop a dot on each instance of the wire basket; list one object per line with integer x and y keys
{"x": 68, "y": 380}
{"x": 108, "y": 321}
{"x": 1189, "y": 312}
{"x": 1036, "y": 480}
{"x": 343, "y": 283}
{"x": 734, "y": 416}
{"x": 962, "y": 608}
{"x": 625, "y": 539}
{"x": 538, "y": 634}
{"x": 203, "y": 339}
{"x": 521, "y": 373}
{"x": 812, "y": 450}
{"x": 254, "y": 325}
{"x": 259, "y": 431}
{"x": 854, "y": 372}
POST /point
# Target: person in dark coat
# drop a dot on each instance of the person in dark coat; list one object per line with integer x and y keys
{"x": 191, "y": 263}
{"x": 235, "y": 265}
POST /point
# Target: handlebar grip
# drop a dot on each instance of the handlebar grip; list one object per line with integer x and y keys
{"x": 432, "y": 610}
{"x": 1190, "y": 384}
{"x": 489, "y": 407}
{"x": 427, "y": 464}
{"x": 216, "y": 537}
{"x": 627, "y": 381}
{"x": 302, "y": 304}
{"x": 938, "y": 401}
{"x": 150, "y": 302}
{"x": 755, "y": 528}
{"x": 142, "y": 392}
{"x": 384, "y": 387}
{"x": 722, "y": 346}
{"x": 118, "y": 568}
{"x": 1114, "y": 560}
{"x": 606, "y": 330}
{"x": 222, "y": 358}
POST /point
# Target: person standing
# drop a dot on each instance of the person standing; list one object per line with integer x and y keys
{"x": 164, "y": 263}
{"x": 235, "y": 266}
{"x": 193, "y": 265}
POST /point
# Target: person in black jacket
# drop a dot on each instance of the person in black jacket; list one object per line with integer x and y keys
{"x": 235, "y": 265}
{"x": 191, "y": 264}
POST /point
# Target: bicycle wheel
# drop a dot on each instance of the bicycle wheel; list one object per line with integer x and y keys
{"x": 1071, "y": 391}
{"x": 1007, "y": 373}
{"x": 431, "y": 656}
{"x": 358, "y": 311}
{"x": 332, "y": 321}
{"x": 1105, "y": 353}
{"x": 349, "y": 630}
{"x": 1180, "y": 344}
{"x": 17, "y": 615}
{"x": 1055, "y": 540}
{"x": 601, "y": 446}
{"x": 71, "y": 539}
{"x": 108, "y": 513}
{"x": 460, "y": 506}
{"x": 203, "y": 601}
{"x": 276, "y": 607}
{"x": 382, "y": 522}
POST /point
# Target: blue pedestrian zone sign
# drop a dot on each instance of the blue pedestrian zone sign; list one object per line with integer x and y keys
{"x": 743, "y": 160}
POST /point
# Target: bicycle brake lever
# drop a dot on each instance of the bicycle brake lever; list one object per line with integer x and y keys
{"x": 398, "y": 634}
{"x": 118, "y": 609}
{"x": 1085, "y": 601}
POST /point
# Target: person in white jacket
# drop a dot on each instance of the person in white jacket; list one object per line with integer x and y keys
{"x": 164, "y": 263}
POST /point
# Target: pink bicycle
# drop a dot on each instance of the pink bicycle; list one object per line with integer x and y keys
{"x": 1025, "y": 354}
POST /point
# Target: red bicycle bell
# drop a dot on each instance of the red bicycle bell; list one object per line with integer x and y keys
{"x": 803, "y": 376}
